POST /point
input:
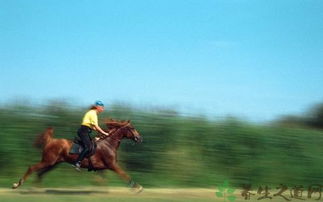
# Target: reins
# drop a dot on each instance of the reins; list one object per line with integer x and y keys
{"x": 114, "y": 132}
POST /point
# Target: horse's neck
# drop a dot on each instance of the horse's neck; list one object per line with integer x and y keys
{"x": 113, "y": 142}
{"x": 115, "y": 139}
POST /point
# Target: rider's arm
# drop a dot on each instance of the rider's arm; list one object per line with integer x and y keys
{"x": 94, "y": 123}
{"x": 97, "y": 128}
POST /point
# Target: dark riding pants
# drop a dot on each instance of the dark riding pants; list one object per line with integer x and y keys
{"x": 84, "y": 133}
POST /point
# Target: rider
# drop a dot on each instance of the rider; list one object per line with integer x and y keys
{"x": 89, "y": 123}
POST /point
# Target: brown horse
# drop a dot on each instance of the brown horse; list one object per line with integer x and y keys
{"x": 56, "y": 151}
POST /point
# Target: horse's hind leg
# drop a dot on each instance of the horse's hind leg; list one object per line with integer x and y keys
{"x": 36, "y": 167}
{"x": 43, "y": 171}
{"x": 100, "y": 178}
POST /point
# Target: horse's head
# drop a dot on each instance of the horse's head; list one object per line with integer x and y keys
{"x": 126, "y": 129}
{"x": 132, "y": 133}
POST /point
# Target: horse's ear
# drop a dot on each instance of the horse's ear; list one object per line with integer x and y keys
{"x": 128, "y": 121}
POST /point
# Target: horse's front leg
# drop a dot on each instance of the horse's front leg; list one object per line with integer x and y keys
{"x": 137, "y": 187}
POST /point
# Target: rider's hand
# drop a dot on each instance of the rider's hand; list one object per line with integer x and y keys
{"x": 106, "y": 133}
{"x": 96, "y": 138}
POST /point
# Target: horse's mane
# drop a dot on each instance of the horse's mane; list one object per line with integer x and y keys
{"x": 112, "y": 123}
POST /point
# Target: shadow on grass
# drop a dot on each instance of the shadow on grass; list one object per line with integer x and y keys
{"x": 63, "y": 192}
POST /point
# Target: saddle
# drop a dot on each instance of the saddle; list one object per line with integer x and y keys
{"x": 77, "y": 148}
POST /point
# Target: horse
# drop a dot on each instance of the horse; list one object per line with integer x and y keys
{"x": 56, "y": 151}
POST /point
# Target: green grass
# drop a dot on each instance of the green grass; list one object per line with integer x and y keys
{"x": 104, "y": 194}
{"x": 96, "y": 194}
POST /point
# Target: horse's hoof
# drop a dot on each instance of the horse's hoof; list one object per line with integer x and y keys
{"x": 137, "y": 189}
{"x": 15, "y": 185}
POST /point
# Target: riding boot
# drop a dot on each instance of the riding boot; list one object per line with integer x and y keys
{"x": 77, "y": 166}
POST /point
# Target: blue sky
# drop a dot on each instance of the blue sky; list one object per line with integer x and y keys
{"x": 255, "y": 59}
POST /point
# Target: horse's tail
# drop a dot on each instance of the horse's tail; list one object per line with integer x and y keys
{"x": 44, "y": 138}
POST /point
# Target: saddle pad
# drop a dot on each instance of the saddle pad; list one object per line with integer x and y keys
{"x": 76, "y": 149}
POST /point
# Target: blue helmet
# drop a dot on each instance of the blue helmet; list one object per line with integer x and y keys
{"x": 99, "y": 103}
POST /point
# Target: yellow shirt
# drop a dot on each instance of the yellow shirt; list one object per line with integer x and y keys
{"x": 90, "y": 119}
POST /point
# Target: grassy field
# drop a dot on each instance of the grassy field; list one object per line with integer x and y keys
{"x": 104, "y": 194}
{"x": 94, "y": 194}
{"x": 177, "y": 151}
